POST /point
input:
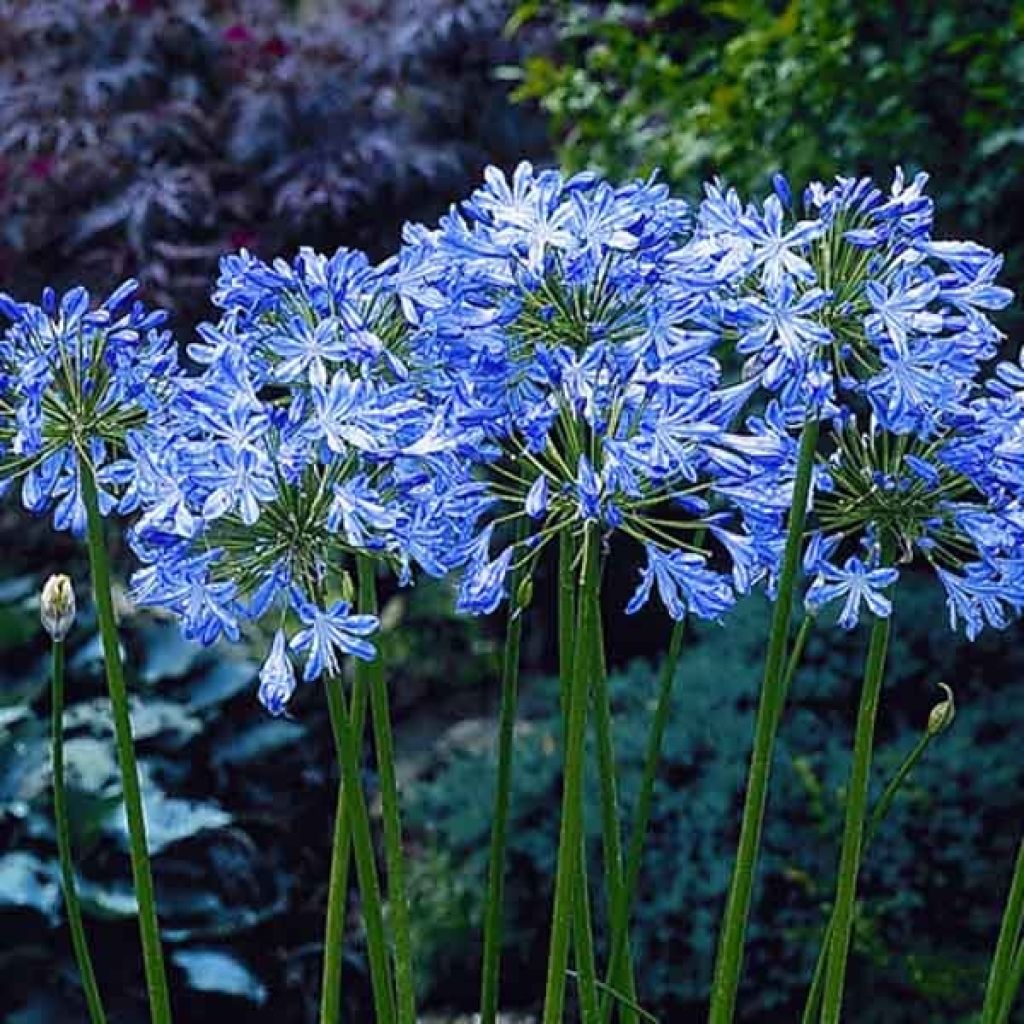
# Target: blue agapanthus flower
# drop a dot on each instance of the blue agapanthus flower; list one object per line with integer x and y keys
{"x": 571, "y": 329}
{"x": 302, "y": 443}
{"x": 853, "y": 300}
{"x": 943, "y": 500}
{"x": 80, "y": 385}
{"x": 852, "y": 314}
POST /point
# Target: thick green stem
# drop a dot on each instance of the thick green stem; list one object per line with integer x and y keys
{"x": 571, "y": 830}
{"x": 1009, "y": 938}
{"x": 347, "y": 747}
{"x": 398, "y": 899}
{"x": 642, "y": 816}
{"x": 142, "y": 876}
{"x": 67, "y": 871}
{"x": 853, "y": 831}
{"x": 494, "y": 912}
{"x": 582, "y": 929}
{"x": 583, "y": 940}
{"x": 729, "y": 963}
{"x": 1011, "y": 986}
{"x": 622, "y": 979}
{"x": 885, "y": 801}
{"x": 337, "y": 890}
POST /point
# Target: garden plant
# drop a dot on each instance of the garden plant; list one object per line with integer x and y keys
{"x": 802, "y": 396}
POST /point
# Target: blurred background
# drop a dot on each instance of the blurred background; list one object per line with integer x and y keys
{"x": 140, "y": 138}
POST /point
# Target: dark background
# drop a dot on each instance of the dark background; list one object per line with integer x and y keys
{"x": 145, "y": 139}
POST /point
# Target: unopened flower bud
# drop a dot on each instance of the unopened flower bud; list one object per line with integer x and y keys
{"x": 524, "y": 593}
{"x": 941, "y": 716}
{"x": 57, "y": 606}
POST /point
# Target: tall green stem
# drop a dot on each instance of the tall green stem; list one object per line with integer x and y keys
{"x": 622, "y": 979}
{"x": 582, "y": 930}
{"x": 853, "y": 831}
{"x": 337, "y": 890}
{"x": 729, "y": 963}
{"x": 67, "y": 871}
{"x": 1011, "y": 986}
{"x": 571, "y": 830}
{"x": 1009, "y": 937}
{"x": 398, "y": 899}
{"x": 142, "y": 876}
{"x": 499, "y": 825}
{"x": 885, "y": 801}
{"x": 642, "y": 815}
{"x": 347, "y": 747}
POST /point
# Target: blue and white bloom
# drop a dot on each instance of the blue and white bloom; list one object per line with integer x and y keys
{"x": 856, "y": 302}
{"x": 572, "y": 329}
{"x": 303, "y": 443}
{"x": 80, "y": 386}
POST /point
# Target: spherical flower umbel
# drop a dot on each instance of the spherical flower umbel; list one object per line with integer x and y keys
{"x": 883, "y": 501}
{"x": 851, "y": 298}
{"x": 302, "y": 444}
{"x": 571, "y": 328}
{"x": 77, "y": 384}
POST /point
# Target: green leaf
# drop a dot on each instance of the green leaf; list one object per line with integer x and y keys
{"x": 213, "y": 970}
{"x": 31, "y": 883}
{"x": 168, "y": 819}
{"x": 257, "y": 742}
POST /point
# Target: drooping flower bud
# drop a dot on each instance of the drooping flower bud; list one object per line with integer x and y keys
{"x": 57, "y": 606}
{"x": 941, "y": 716}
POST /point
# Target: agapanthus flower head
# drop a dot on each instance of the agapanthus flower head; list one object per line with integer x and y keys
{"x": 883, "y": 501}
{"x": 79, "y": 384}
{"x": 570, "y": 328}
{"x": 301, "y": 445}
{"x": 852, "y": 301}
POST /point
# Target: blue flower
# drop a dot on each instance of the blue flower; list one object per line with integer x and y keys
{"x": 328, "y": 633}
{"x": 78, "y": 383}
{"x": 685, "y": 584}
{"x": 569, "y": 327}
{"x": 277, "y": 677}
{"x": 302, "y": 443}
{"x": 855, "y": 582}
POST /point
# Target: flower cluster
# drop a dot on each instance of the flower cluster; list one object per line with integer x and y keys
{"x": 302, "y": 444}
{"x": 855, "y": 302}
{"x": 561, "y": 356}
{"x": 573, "y": 329}
{"x": 80, "y": 385}
{"x": 855, "y": 316}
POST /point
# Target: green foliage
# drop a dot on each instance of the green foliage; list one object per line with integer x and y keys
{"x": 743, "y": 88}
{"x": 932, "y": 886}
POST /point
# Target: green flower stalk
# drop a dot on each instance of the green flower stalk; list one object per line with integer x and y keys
{"x": 1008, "y": 961}
{"x": 569, "y": 870}
{"x": 57, "y": 611}
{"x": 337, "y": 889}
{"x": 398, "y": 898}
{"x": 347, "y": 747}
{"x": 142, "y": 875}
{"x": 729, "y": 962}
{"x": 853, "y": 831}
{"x": 939, "y": 720}
{"x": 521, "y": 588}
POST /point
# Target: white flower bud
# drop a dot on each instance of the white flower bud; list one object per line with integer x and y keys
{"x": 941, "y": 716}
{"x": 57, "y": 606}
